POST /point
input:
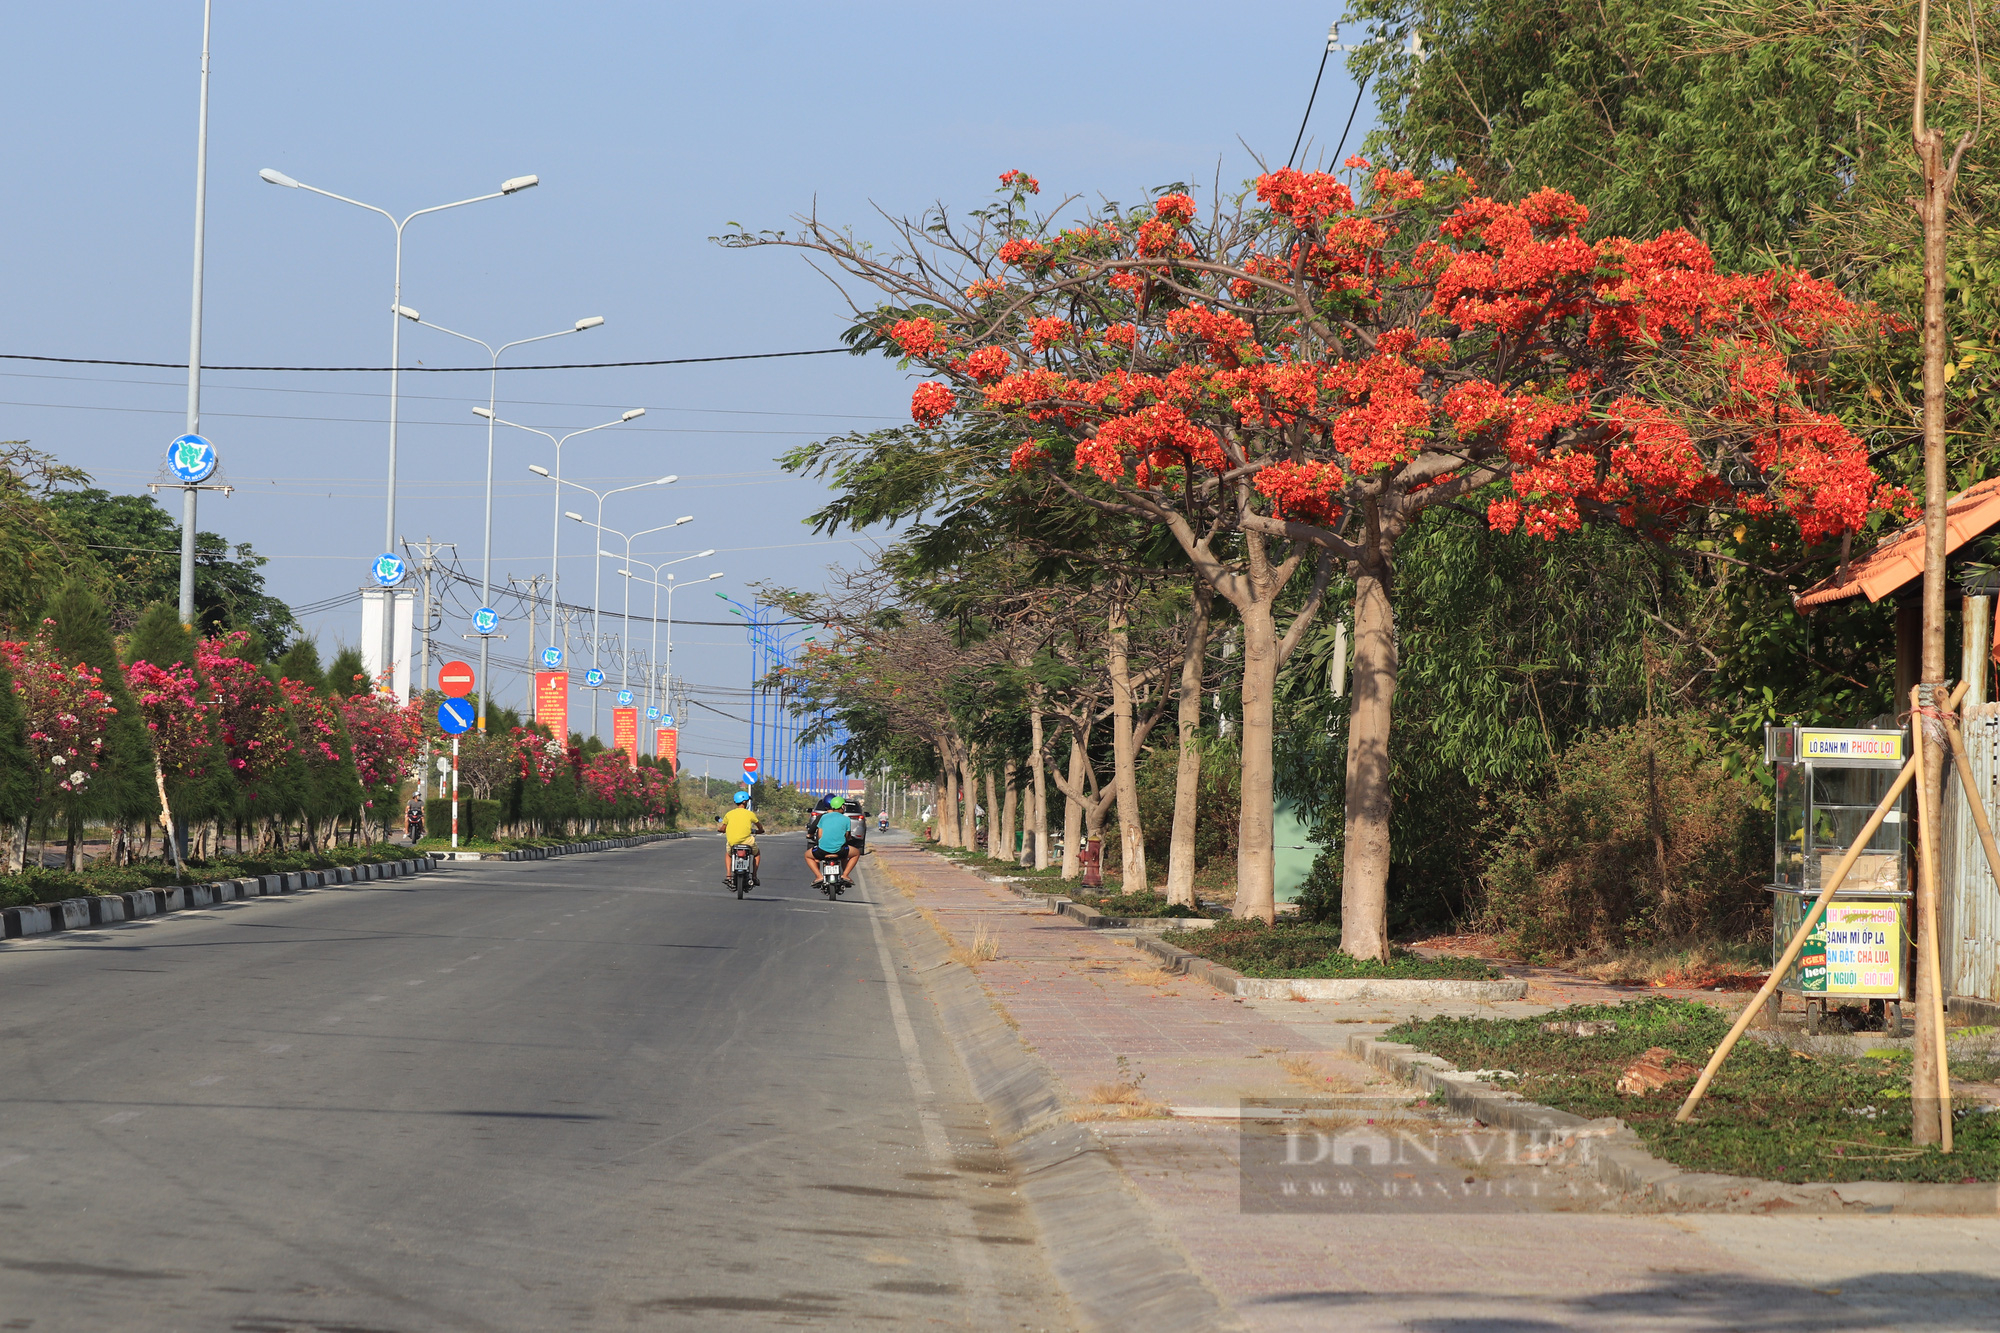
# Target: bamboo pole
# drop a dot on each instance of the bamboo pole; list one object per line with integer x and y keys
{"x": 1812, "y": 917}
{"x": 1930, "y": 822}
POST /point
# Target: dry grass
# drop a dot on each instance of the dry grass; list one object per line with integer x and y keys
{"x": 1700, "y": 966}
{"x": 1305, "y": 1072}
{"x": 1118, "y": 1101}
{"x": 985, "y": 947}
{"x": 1149, "y": 976}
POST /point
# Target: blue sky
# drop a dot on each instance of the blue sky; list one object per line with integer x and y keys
{"x": 652, "y": 127}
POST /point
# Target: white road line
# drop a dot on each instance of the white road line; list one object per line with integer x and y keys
{"x": 970, "y": 1257}
{"x": 277, "y": 1048}
{"x": 12, "y": 1158}
{"x": 120, "y": 1117}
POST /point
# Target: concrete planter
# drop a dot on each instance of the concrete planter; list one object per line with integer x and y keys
{"x": 138, "y": 903}
{"x": 106, "y": 909}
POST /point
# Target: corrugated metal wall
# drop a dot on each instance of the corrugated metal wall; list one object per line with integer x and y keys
{"x": 1969, "y": 934}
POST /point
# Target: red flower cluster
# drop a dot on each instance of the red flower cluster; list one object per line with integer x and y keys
{"x": 1049, "y": 331}
{"x": 920, "y": 338}
{"x": 1020, "y": 180}
{"x": 985, "y": 365}
{"x": 68, "y": 713}
{"x": 931, "y": 403}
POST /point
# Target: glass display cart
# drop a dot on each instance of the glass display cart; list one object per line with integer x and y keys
{"x": 1828, "y": 782}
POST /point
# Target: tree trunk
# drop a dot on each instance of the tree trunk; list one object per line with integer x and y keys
{"x": 1039, "y": 762}
{"x": 17, "y": 846}
{"x": 72, "y": 835}
{"x": 1187, "y": 773}
{"x": 1124, "y": 753}
{"x": 946, "y": 823}
{"x": 1255, "y": 890}
{"x": 968, "y": 790}
{"x": 167, "y": 844}
{"x": 992, "y": 814}
{"x": 1009, "y": 811}
{"x": 1364, "y": 873}
{"x": 1073, "y": 802}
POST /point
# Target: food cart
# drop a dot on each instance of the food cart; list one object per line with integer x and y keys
{"x": 1828, "y": 781}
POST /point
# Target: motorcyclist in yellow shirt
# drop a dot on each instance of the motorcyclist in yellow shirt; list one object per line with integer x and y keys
{"x": 740, "y": 827}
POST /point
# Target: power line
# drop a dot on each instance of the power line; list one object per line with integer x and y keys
{"x": 1309, "y": 105}
{"x": 434, "y": 370}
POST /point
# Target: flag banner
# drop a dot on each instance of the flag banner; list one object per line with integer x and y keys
{"x": 667, "y": 745}
{"x": 552, "y": 703}
{"x": 625, "y": 734}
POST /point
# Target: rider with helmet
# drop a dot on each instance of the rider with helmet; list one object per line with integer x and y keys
{"x": 826, "y": 838}
{"x": 740, "y": 827}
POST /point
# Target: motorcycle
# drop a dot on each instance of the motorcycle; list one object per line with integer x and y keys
{"x": 882, "y": 824}
{"x": 830, "y": 882}
{"x": 742, "y": 865}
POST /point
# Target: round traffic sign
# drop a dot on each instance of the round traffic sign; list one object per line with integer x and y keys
{"x": 552, "y": 658}
{"x": 624, "y": 698}
{"x": 593, "y": 678}
{"x": 455, "y": 679}
{"x": 652, "y": 715}
{"x": 485, "y": 620}
{"x": 667, "y": 721}
{"x": 455, "y": 716}
{"x": 749, "y": 765}
{"x": 443, "y": 764}
{"x": 191, "y": 458}
{"x": 387, "y": 569}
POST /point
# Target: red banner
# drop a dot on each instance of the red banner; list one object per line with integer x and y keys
{"x": 667, "y": 745}
{"x": 625, "y": 734}
{"x": 552, "y": 703}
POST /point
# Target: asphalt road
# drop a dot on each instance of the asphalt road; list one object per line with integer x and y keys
{"x": 597, "y": 1091}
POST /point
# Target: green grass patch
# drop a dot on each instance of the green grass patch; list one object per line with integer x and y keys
{"x": 1303, "y": 949}
{"x": 1133, "y": 904}
{"x": 1769, "y": 1113}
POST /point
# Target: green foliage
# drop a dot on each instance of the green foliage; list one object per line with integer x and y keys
{"x": 1645, "y": 832}
{"x": 36, "y": 551}
{"x": 17, "y": 761}
{"x": 1217, "y": 802}
{"x": 300, "y": 662}
{"x": 1143, "y": 904}
{"x": 122, "y": 787}
{"x": 1290, "y": 949}
{"x": 1768, "y": 1114}
{"x": 136, "y": 549}
{"x": 348, "y": 674}
{"x": 478, "y": 821}
{"x": 160, "y": 638}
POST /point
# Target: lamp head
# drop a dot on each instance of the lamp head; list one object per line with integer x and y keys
{"x": 535, "y": 468}
{"x": 716, "y": 575}
{"x": 486, "y": 412}
{"x": 668, "y": 480}
{"x": 704, "y": 555}
{"x": 278, "y": 178}
{"x": 571, "y": 513}
{"x": 612, "y": 554}
{"x": 590, "y": 323}
{"x": 634, "y": 414}
{"x": 519, "y": 183}
{"x": 685, "y": 518}
{"x": 408, "y": 313}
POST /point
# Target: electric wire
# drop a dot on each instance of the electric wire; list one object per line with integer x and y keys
{"x": 431, "y": 370}
{"x": 1324, "y": 53}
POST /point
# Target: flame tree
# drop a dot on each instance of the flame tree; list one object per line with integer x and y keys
{"x": 1291, "y": 382}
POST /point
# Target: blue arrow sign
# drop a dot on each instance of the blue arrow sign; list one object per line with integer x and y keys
{"x": 552, "y": 658}
{"x": 191, "y": 458}
{"x": 388, "y": 569}
{"x": 652, "y": 715}
{"x": 593, "y": 678}
{"x": 485, "y": 620}
{"x": 624, "y": 698}
{"x": 456, "y": 716}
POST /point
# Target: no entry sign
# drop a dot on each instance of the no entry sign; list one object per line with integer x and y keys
{"x": 455, "y": 679}
{"x": 749, "y": 765}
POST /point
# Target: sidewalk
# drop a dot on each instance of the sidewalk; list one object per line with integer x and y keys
{"x": 1157, "y": 1063}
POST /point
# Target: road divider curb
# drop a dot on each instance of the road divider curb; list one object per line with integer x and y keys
{"x": 1113, "y": 1261}
{"x": 1616, "y": 1156}
{"x": 1231, "y": 982}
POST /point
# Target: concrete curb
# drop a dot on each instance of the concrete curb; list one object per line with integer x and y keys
{"x": 1118, "y": 1269}
{"x": 1231, "y": 982}
{"x": 1617, "y": 1157}
{"x": 1097, "y": 920}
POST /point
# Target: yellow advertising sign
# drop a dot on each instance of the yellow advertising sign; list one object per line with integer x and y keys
{"x": 1881, "y": 746}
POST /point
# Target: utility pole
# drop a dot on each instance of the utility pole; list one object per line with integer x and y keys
{"x": 430, "y": 549}
{"x": 534, "y": 595}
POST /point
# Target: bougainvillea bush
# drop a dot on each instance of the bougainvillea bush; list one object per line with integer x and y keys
{"x": 1288, "y": 380}
{"x": 66, "y": 715}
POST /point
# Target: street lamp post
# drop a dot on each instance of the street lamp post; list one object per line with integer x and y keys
{"x": 597, "y": 564}
{"x": 653, "y": 675}
{"x": 492, "y": 396}
{"x": 555, "y": 522}
{"x": 513, "y": 185}
{"x": 625, "y": 651}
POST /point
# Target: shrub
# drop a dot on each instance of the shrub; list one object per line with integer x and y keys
{"x": 1647, "y": 833}
{"x": 477, "y": 820}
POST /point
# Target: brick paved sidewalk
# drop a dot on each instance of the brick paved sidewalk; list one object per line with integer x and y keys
{"x": 1101, "y": 1015}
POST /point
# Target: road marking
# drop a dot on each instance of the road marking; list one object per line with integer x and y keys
{"x": 377, "y": 997}
{"x": 418, "y": 982}
{"x": 821, "y": 910}
{"x": 207, "y": 1080}
{"x": 971, "y": 1259}
{"x": 120, "y": 1117}
{"x": 12, "y": 1158}
{"x": 277, "y": 1048}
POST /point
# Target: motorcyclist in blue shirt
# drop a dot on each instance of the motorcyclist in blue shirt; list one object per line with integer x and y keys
{"x": 828, "y": 836}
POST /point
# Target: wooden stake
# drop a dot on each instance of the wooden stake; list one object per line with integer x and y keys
{"x": 1812, "y": 917}
{"x": 1931, "y": 825}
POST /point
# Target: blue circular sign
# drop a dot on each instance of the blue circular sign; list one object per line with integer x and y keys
{"x": 388, "y": 569}
{"x": 485, "y": 620}
{"x": 667, "y": 721}
{"x": 624, "y": 698}
{"x": 191, "y": 458}
{"x": 552, "y": 658}
{"x": 455, "y": 716}
{"x": 593, "y": 678}
{"x": 652, "y": 715}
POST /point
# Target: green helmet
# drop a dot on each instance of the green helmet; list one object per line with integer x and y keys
{"x": 836, "y": 803}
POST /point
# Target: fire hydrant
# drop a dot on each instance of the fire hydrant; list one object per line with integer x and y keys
{"x": 1093, "y": 864}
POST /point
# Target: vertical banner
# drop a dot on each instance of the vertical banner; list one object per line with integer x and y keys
{"x": 667, "y": 746}
{"x": 552, "y": 703}
{"x": 625, "y": 734}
